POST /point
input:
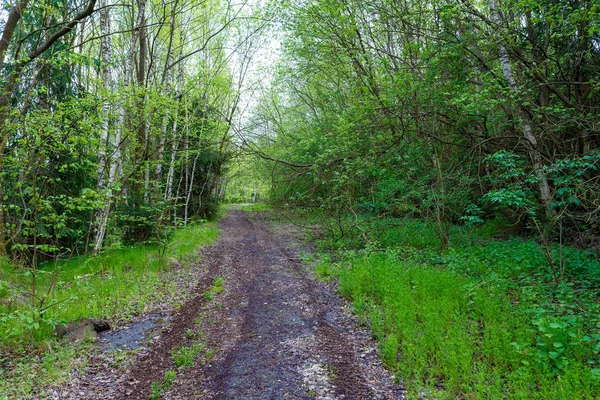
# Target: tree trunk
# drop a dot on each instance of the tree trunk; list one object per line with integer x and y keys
{"x": 533, "y": 146}
{"x": 167, "y": 78}
{"x": 105, "y": 158}
{"x": 190, "y": 189}
{"x": 9, "y": 28}
{"x": 171, "y": 173}
{"x": 142, "y": 132}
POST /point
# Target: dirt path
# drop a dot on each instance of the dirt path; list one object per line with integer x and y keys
{"x": 273, "y": 333}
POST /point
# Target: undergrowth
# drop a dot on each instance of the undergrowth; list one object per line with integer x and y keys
{"x": 215, "y": 289}
{"x": 185, "y": 355}
{"x": 115, "y": 285}
{"x": 483, "y": 319}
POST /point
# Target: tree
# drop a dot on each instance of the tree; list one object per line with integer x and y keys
{"x": 391, "y": 108}
{"x": 20, "y": 62}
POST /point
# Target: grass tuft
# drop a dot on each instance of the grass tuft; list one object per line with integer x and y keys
{"x": 159, "y": 388}
{"x": 186, "y": 356}
{"x": 215, "y": 289}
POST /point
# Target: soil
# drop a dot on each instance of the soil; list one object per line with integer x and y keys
{"x": 275, "y": 332}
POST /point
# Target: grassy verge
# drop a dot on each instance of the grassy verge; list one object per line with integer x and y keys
{"x": 115, "y": 285}
{"x": 482, "y": 320}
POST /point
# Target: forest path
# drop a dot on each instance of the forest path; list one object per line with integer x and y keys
{"x": 273, "y": 333}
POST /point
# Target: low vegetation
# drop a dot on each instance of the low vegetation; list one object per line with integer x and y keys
{"x": 158, "y": 388}
{"x": 185, "y": 355}
{"x": 483, "y": 318}
{"x": 115, "y": 285}
{"x": 215, "y": 289}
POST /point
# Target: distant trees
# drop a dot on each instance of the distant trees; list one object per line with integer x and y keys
{"x": 421, "y": 108}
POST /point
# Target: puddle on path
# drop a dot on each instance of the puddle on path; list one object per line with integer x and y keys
{"x": 133, "y": 336}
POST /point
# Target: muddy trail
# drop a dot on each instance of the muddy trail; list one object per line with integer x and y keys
{"x": 273, "y": 332}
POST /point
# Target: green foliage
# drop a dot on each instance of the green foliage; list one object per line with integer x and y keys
{"x": 88, "y": 152}
{"x": 513, "y": 190}
{"x": 246, "y": 181}
{"x": 215, "y": 289}
{"x": 483, "y": 318}
{"x": 158, "y": 388}
{"x": 325, "y": 269}
{"x": 112, "y": 285}
{"x": 434, "y": 124}
{"x": 251, "y": 207}
{"x": 47, "y": 177}
{"x": 571, "y": 178}
{"x": 453, "y": 334}
{"x": 186, "y": 356}
{"x": 22, "y": 377}
{"x": 184, "y": 242}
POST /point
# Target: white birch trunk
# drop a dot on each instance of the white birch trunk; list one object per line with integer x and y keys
{"x": 147, "y": 166}
{"x": 189, "y": 191}
{"x": 104, "y": 157}
{"x": 533, "y": 147}
{"x": 168, "y": 75}
{"x": 171, "y": 173}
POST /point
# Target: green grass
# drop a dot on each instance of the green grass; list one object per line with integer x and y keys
{"x": 215, "y": 289}
{"x": 114, "y": 285}
{"x": 184, "y": 357}
{"x": 23, "y": 375}
{"x": 251, "y": 206}
{"x": 481, "y": 321}
{"x": 158, "y": 388}
{"x": 394, "y": 232}
{"x": 451, "y": 335}
{"x": 185, "y": 241}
